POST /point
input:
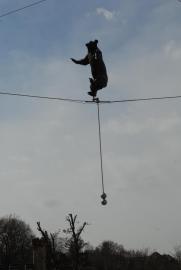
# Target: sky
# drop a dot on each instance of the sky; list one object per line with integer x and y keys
{"x": 49, "y": 158}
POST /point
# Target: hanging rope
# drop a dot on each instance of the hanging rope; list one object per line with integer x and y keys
{"x": 103, "y": 196}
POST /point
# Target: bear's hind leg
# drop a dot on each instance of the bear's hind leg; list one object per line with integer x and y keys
{"x": 93, "y": 88}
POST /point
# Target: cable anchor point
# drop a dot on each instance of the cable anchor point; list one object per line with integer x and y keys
{"x": 96, "y": 100}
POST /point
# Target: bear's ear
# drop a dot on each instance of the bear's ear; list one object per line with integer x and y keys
{"x": 96, "y": 41}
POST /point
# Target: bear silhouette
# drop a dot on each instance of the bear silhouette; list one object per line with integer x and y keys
{"x": 98, "y": 68}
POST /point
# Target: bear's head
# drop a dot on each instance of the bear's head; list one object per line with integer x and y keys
{"x": 92, "y": 46}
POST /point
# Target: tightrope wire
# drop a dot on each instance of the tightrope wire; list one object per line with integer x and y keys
{"x": 20, "y": 9}
{"x": 42, "y": 97}
{"x": 50, "y": 98}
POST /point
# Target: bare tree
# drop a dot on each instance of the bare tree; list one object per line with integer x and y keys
{"x": 177, "y": 254}
{"x": 50, "y": 241}
{"x": 75, "y": 242}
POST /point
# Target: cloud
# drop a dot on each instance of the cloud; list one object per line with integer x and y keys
{"x": 108, "y": 15}
{"x": 51, "y": 203}
{"x": 173, "y": 49}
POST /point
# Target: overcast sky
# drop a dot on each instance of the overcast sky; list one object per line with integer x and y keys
{"x": 49, "y": 158}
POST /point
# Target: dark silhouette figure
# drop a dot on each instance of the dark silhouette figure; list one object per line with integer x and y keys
{"x": 98, "y": 68}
